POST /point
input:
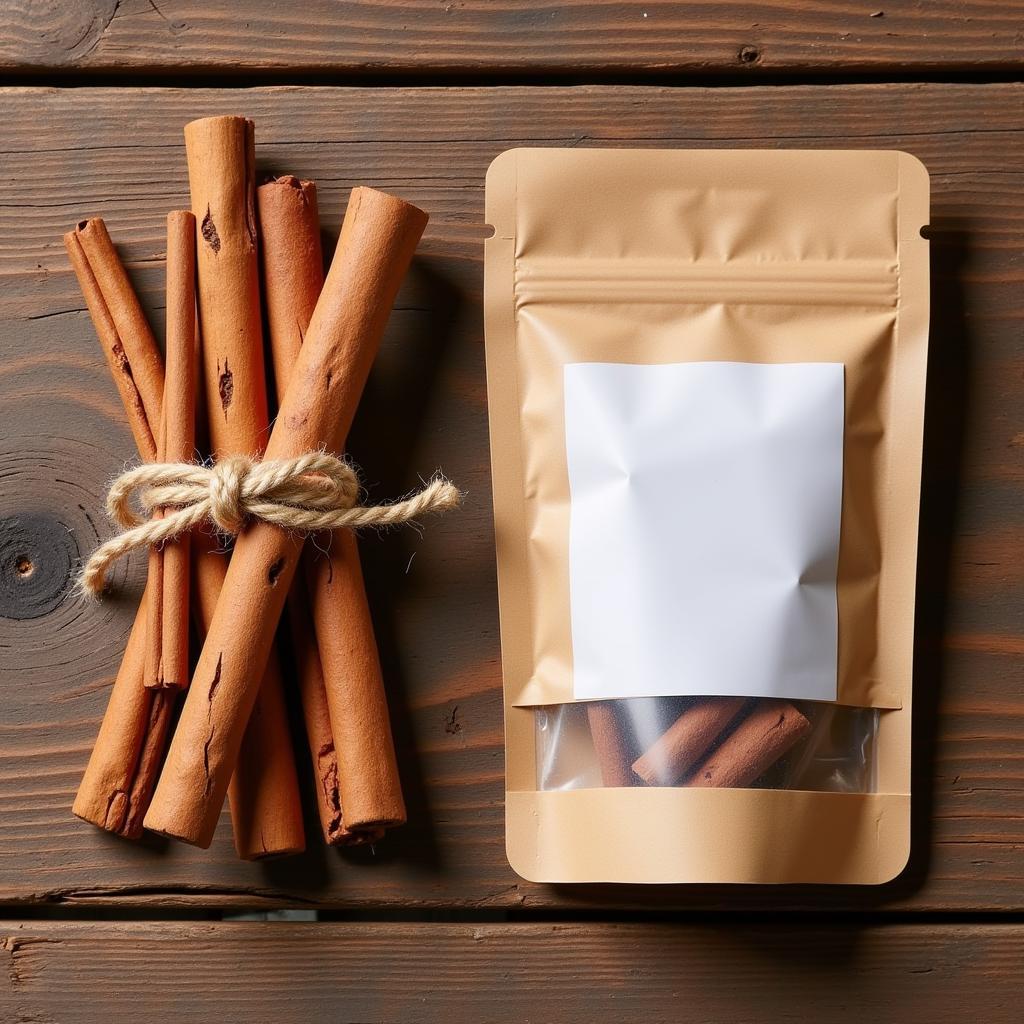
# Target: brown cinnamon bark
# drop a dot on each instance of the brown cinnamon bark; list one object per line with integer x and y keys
{"x": 370, "y": 788}
{"x": 108, "y": 794}
{"x": 686, "y": 740}
{"x": 155, "y": 599}
{"x": 367, "y": 777}
{"x": 123, "y": 331}
{"x": 121, "y": 773}
{"x": 160, "y": 708}
{"x": 610, "y": 743}
{"x": 263, "y": 824}
{"x": 167, "y": 643}
{"x": 377, "y": 241}
{"x": 221, "y": 180}
{"x": 266, "y": 812}
{"x": 771, "y": 728}
{"x": 292, "y": 263}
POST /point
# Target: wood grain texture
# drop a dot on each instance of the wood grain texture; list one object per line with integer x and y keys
{"x": 602, "y": 38}
{"x": 118, "y": 153}
{"x": 570, "y": 973}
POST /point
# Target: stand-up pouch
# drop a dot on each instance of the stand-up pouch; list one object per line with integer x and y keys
{"x": 706, "y": 376}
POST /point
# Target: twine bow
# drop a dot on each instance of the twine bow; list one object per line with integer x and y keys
{"x": 308, "y": 493}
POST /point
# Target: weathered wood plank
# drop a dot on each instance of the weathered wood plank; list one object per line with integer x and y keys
{"x": 66, "y": 154}
{"x": 612, "y": 37}
{"x": 294, "y": 972}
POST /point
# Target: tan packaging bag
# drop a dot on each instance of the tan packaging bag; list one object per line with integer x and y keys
{"x": 756, "y": 286}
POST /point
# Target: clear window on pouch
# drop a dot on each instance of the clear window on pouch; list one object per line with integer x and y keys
{"x": 706, "y": 741}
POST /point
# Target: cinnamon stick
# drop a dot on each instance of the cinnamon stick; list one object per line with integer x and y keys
{"x": 686, "y": 740}
{"x": 610, "y": 743}
{"x": 160, "y": 711}
{"x": 368, "y": 780}
{"x": 369, "y": 785}
{"x": 292, "y": 263}
{"x": 167, "y": 644}
{"x": 266, "y": 812}
{"x": 122, "y": 328}
{"x": 104, "y": 794}
{"x": 122, "y": 769}
{"x": 378, "y": 237}
{"x": 760, "y": 739}
{"x": 220, "y": 153}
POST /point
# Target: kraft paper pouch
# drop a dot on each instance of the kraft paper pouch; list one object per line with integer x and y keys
{"x": 706, "y": 386}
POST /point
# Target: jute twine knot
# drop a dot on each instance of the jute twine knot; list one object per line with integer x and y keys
{"x": 308, "y": 493}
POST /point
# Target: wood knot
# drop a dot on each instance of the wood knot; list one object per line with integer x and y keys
{"x": 57, "y": 32}
{"x": 748, "y": 55}
{"x": 37, "y": 555}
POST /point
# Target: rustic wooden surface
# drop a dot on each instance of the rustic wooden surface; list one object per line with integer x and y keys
{"x": 487, "y": 37}
{"x": 66, "y": 154}
{"x": 568, "y": 973}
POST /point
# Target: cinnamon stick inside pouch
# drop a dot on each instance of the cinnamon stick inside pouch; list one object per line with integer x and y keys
{"x": 169, "y": 575}
{"x": 686, "y": 741}
{"x": 121, "y": 773}
{"x": 378, "y": 237}
{"x": 292, "y": 263}
{"x": 760, "y": 739}
{"x": 610, "y": 744}
{"x": 266, "y": 813}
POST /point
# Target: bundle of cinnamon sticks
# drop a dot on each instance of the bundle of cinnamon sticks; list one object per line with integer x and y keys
{"x": 241, "y": 257}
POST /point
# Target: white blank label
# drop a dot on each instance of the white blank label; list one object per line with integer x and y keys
{"x": 704, "y": 527}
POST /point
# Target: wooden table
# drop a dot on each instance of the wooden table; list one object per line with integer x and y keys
{"x": 418, "y": 97}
